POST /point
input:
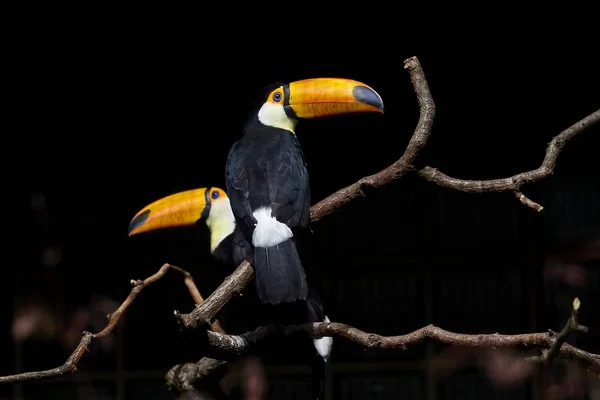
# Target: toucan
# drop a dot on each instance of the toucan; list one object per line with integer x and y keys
{"x": 267, "y": 178}
{"x": 227, "y": 243}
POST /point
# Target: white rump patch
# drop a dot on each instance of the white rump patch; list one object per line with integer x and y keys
{"x": 268, "y": 231}
{"x": 324, "y": 344}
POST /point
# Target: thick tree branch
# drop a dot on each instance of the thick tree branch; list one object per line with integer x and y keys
{"x": 225, "y": 346}
{"x": 404, "y": 164}
{"x": 187, "y": 378}
{"x": 70, "y": 365}
{"x": 515, "y": 182}
{"x": 204, "y": 313}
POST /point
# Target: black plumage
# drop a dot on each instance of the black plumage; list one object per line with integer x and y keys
{"x": 233, "y": 249}
{"x": 266, "y": 168}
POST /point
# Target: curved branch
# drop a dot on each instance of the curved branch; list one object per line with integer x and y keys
{"x": 399, "y": 168}
{"x": 187, "y": 378}
{"x": 232, "y": 346}
{"x": 205, "y": 313}
{"x": 515, "y": 182}
{"x": 70, "y": 365}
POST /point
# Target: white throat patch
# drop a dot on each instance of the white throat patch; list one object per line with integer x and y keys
{"x": 220, "y": 221}
{"x": 274, "y": 115}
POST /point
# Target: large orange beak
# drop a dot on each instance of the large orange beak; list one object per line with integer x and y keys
{"x": 321, "y": 97}
{"x": 179, "y": 209}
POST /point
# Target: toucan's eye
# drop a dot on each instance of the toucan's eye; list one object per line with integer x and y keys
{"x": 277, "y": 96}
{"x": 215, "y": 195}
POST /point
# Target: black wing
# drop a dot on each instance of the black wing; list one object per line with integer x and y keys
{"x": 289, "y": 187}
{"x": 236, "y": 181}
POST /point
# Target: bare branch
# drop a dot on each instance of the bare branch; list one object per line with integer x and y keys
{"x": 188, "y": 378}
{"x": 398, "y": 168}
{"x": 204, "y": 313}
{"x": 571, "y": 326}
{"x": 515, "y": 182}
{"x": 232, "y": 346}
{"x": 528, "y": 202}
{"x": 70, "y": 365}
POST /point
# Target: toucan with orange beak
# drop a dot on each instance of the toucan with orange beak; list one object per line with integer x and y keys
{"x": 267, "y": 179}
{"x": 227, "y": 243}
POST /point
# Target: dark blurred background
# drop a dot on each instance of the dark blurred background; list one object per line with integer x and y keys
{"x": 105, "y": 114}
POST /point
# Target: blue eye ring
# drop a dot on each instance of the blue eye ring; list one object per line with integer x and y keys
{"x": 215, "y": 194}
{"x": 277, "y": 96}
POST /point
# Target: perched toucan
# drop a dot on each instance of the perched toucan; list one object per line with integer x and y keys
{"x": 227, "y": 244}
{"x": 267, "y": 180}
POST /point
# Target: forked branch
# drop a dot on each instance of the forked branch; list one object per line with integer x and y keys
{"x": 514, "y": 183}
{"x": 225, "y": 346}
{"x": 70, "y": 365}
{"x": 404, "y": 164}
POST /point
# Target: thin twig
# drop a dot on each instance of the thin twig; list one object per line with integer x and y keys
{"x": 515, "y": 182}
{"x": 70, "y": 365}
{"x": 528, "y": 202}
{"x": 571, "y": 326}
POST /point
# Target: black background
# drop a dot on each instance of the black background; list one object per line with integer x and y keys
{"x": 108, "y": 111}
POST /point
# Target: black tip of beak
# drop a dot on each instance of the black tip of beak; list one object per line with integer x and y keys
{"x": 138, "y": 221}
{"x": 367, "y": 96}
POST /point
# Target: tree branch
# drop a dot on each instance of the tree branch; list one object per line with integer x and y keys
{"x": 204, "y": 313}
{"x": 404, "y": 164}
{"x": 225, "y": 346}
{"x": 571, "y": 326}
{"x": 70, "y": 365}
{"x": 515, "y": 182}
{"x": 186, "y": 378}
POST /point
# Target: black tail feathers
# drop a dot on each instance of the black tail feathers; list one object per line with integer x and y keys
{"x": 323, "y": 346}
{"x": 279, "y": 274}
{"x": 318, "y": 378}
{"x": 315, "y": 306}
